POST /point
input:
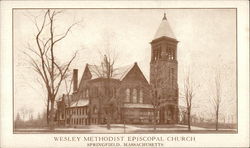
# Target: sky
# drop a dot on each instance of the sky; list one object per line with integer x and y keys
{"x": 207, "y": 43}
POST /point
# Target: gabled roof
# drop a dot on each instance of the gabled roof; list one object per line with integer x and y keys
{"x": 86, "y": 74}
{"x": 97, "y": 72}
{"x": 92, "y": 72}
{"x": 118, "y": 73}
{"x": 164, "y": 29}
{"x": 132, "y": 71}
{"x": 121, "y": 72}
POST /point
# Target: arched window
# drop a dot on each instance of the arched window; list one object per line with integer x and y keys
{"x": 134, "y": 96}
{"x": 172, "y": 54}
{"x": 155, "y": 55}
{"x": 169, "y": 54}
{"x": 159, "y": 49}
{"x": 127, "y": 98}
{"x": 141, "y": 96}
{"x": 82, "y": 94}
{"x": 95, "y": 110}
{"x": 114, "y": 92}
{"x": 167, "y": 51}
{"x": 87, "y": 93}
{"x": 172, "y": 77}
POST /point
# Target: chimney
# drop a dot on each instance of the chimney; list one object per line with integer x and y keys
{"x": 75, "y": 79}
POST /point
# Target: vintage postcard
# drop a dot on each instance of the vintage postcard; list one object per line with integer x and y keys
{"x": 109, "y": 74}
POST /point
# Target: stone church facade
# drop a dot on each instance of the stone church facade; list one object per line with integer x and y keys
{"x": 164, "y": 70}
{"x": 127, "y": 96}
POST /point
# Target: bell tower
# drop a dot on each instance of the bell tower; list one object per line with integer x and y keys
{"x": 164, "y": 72}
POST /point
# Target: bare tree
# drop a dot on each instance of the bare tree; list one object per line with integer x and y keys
{"x": 216, "y": 99}
{"x": 68, "y": 98}
{"x": 30, "y": 113}
{"x": 107, "y": 70}
{"x": 182, "y": 114}
{"x": 38, "y": 116}
{"x": 18, "y": 120}
{"x": 24, "y": 112}
{"x": 18, "y": 117}
{"x": 155, "y": 95}
{"x": 158, "y": 88}
{"x": 189, "y": 93}
{"x": 155, "y": 101}
{"x": 44, "y": 61}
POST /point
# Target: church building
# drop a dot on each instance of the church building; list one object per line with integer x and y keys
{"x": 126, "y": 95}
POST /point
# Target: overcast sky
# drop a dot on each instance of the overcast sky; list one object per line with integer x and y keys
{"x": 207, "y": 41}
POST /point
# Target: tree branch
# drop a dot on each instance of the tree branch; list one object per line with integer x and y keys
{"x": 63, "y": 73}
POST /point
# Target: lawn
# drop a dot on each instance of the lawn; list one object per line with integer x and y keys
{"x": 119, "y": 128}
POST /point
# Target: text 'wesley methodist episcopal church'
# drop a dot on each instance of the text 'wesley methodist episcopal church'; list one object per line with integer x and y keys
{"x": 126, "y": 95}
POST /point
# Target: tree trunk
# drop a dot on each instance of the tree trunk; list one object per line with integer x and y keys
{"x": 217, "y": 119}
{"x": 123, "y": 119}
{"x": 108, "y": 121}
{"x": 189, "y": 121}
{"x": 52, "y": 114}
{"x": 70, "y": 118}
{"x": 47, "y": 113}
{"x": 155, "y": 119}
{"x": 124, "y": 126}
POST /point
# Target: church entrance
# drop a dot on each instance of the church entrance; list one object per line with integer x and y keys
{"x": 167, "y": 115}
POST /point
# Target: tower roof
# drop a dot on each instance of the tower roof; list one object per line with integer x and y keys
{"x": 164, "y": 29}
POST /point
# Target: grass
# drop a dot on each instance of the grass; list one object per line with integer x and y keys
{"x": 160, "y": 126}
{"x": 212, "y": 125}
{"x": 139, "y": 129}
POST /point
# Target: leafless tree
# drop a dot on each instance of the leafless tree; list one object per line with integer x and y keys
{"x": 18, "y": 120}
{"x": 107, "y": 70}
{"x": 24, "y": 112}
{"x": 216, "y": 100}
{"x": 38, "y": 116}
{"x": 155, "y": 101}
{"x": 189, "y": 93}
{"x": 30, "y": 113}
{"x": 67, "y": 97}
{"x": 182, "y": 114}
{"x": 157, "y": 91}
{"x": 155, "y": 95}
{"x": 44, "y": 61}
{"x": 18, "y": 117}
